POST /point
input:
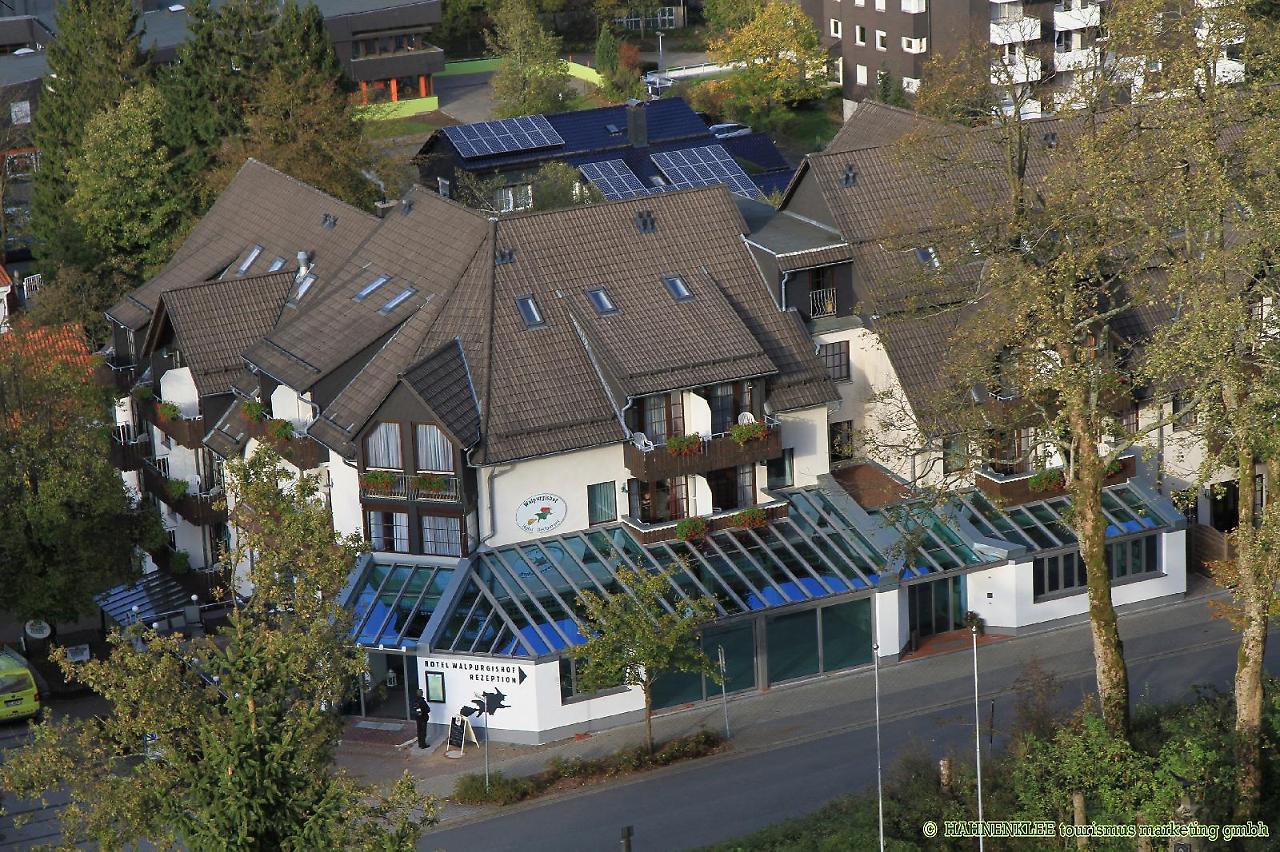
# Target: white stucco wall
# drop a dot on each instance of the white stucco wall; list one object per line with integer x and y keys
{"x": 287, "y": 404}
{"x": 344, "y": 496}
{"x": 177, "y": 386}
{"x": 805, "y": 432}
{"x": 891, "y": 622}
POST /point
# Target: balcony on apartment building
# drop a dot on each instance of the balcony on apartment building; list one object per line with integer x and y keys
{"x": 1016, "y": 69}
{"x": 1011, "y": 485}
{"x": 726, "y": 519}
{"x": 299, "y": 449}
{"x": 1076, "y": 60}
{"x": 201, "y": 505}
{"x": 129, "y": 449}
{"x": 168, "y": 418}
{"x": 1009, "y": 25}
{"x": 417, "y": 488}
{"x": 1076, "y": 15}
{"x": 686, "y": 455}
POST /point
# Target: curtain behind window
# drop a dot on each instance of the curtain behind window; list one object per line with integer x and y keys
{"x": 435, "y": 453}
{"x": 442, "y": 535}
{"x": 382, "y": 447}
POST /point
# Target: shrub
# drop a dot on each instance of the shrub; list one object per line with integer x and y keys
{"x": 177, "y": 488}
{"x": 691, "y": 529}
{"x": 377, "y": 480}
{"x": 143, "y": 392}
{"x": 470, "y": 789}
{"x": 684, "y": 445}
{"x": 741, "y": 433}
{"x": 750, "y": 519}
{"x": 168, "y": 411}
{"x": 281, "y": 430}
{"x": 1046, "y": 480}
{"x": 254, "y": 410}
{"x": 179, "y": 562}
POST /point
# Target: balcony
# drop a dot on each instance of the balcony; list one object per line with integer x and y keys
{"x": 1076, "y": 60}
{"x": 1015, "y": 30}
{"x": 1015, "y": 489}
{"x": 301, "y": 451}
{"x": 1016, "y": 70}
{"x": 914, "y": 7}
{"x": 187, "y": 431}
{"x": 822, "y": 302}
{"x": 712, "y": 452}
{"x": 419, "y": 488}
{"x": 1077, "y": 18}
{"x": 202, "y": 508}
{"x": 129, "y": 454}
{"x": 666, "y": 530}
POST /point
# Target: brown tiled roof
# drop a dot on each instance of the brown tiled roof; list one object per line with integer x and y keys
{"x": 261, "y": 206}
{"x": 873, "y": 123}
{"x": 917, "y": 346}
{"x": 229, "y": 435}
{"x": 216, "y": 321}
{"x": 871, "y": 485}
{"x": 442, "y": 381}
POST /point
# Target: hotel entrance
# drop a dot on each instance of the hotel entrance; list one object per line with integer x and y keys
{"x": 936, "y": 607}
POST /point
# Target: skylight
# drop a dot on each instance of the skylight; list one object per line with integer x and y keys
{"x": 248, "y": 261}
{"x": 529, "y": 311}
{"x": 276, "y": 264}
{"x": 601, "y": 302}
{"x": 928, "y": 255}
{"x": 369, "y": 288}
{"x": 397, "y": 300}
{"x": 303, "y": 286}
{"x": 678, "y": 289}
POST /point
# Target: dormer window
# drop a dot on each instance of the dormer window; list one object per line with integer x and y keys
{"x": 529, "y": 312}
{"x": 601, "y": 302}
{"x": 679, "y": 290}
{"x": 248, "y": 260}
{"x": 369, "y": 289}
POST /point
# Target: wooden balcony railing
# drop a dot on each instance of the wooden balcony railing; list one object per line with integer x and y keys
{"x": 129, "y": 455}
{"x": 1011, "y": 490}
{"x": 200, "y": 508}
{"x": 423, "y": 487}
{"x": 302, "y": 451}
{"x": 713, "y": 453}
{"x": 188, "y": 432}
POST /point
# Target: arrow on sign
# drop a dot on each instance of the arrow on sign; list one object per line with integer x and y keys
{"x": 522, "y": 676}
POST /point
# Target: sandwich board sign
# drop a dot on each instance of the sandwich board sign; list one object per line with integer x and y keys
{"x": 460, "y": 731}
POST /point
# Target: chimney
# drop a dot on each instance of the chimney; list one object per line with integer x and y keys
{"x": 381, "y": 208}
{"x": 304, "y": 265}
{"x": 637, "y": 125}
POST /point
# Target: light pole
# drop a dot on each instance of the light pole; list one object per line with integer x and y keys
{"x": 724, "y": 694}
{"x": 662, "y": 61}
{"x": 977, "y": 732}
{"x": 875, "y": 660}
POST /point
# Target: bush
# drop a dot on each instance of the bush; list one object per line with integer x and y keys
{"x": 254, "y": 410}
{"x": 177, "y": 488}
{"x": 1046, "y": 480}
{"x": 684, "y": 445}
{"x": 168, "y": 411}
{"x": 741, "y": 433}
{"x": 143, "y": 392}
{"x": 281, "y": 430}
{"x": 750, "y": 519}
{"x": 470, "y": 789}
{"x": 691, "y": 529}
{"x": 179, "y": 562}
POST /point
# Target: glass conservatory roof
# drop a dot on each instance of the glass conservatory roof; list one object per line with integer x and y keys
{"x": 392, "y": 603}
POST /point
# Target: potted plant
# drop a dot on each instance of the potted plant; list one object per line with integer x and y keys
{"x": 430, "y": 483}
{"x": 143, "y": 392}
{"x": 179, "y": 562}
{"x": 691, "y": 529}
{"x": 254, "y": 411}
{"x": 972, "y": 620}
{"x": 749, "y": 519}
{"x": 168, "y": 411}
{"x": 1046, "y": 480}
{"x": 684, "y": 445}
{"x": 741, "y": 433}
{"x": 177, "y": 488}
{"x": 281, "y": 430}
{"x": 378, "y": 480}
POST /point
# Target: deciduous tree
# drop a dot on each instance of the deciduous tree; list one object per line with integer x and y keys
{"x": 229, "y": 744}
{"x": 533, "y": 78}
{"x": 726, "y": 15}
{"x": 638, "y": 638}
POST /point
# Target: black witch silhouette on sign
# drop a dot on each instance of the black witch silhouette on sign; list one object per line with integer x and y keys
{"x": 488, "y": 703}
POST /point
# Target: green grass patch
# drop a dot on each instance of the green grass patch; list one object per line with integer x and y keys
{"x": 469, "y": 66}
{"x": 811, "y": 128}
{"x": 409, "y": 125}
{"x": 843, "y": 824}
{"x": 470, "y": 789}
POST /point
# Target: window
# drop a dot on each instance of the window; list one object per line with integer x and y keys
{"x": 859, "y": 2}
{"x": 928, "y": 255}
{"x": 721, "y": 402}
{"x": 276, "y": 265}
{"x": 955, "y": 454}
{"x": 880, "y": 5}
{"x": 914, "y": 45}
{"x": 835, "y": 27}
{"x": 1184, "y": 416}
{"x": 20, "y": 112}
{"x": 529, "y": 312}
{"x": 442, "y": 535}
{"x": 248, "y": 260}
{"x": 512, "y": 198}
{"x": 397, "y": 300}
{"x": 860, "y": 75}
{"x": 434, "y": 450}
{"x": 303, "y": 286}
{"x": 859, "y": 34}
{"x": 835, "y": 357}
{"x": 382, "y": 447}
{"x": 602, "y": 505}
{"x": 601, "y": 302}
{"x": 779, "y": 472}
{"x": 882, "y": 40}
{"x": 571, "y": 688}
{"x": 444, "y": 187}
{"x": 1064, "y": 573}
{"x": 843, "y": 440}
{"x": 389, "y": 531}
{"x": 663, "y": 416}
{"x": 367, "y": 290}
{"x": 678, "y": 289}
{"x": 746, "y": 482}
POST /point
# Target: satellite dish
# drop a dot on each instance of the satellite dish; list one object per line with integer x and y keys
{"x": 746, "y": 418}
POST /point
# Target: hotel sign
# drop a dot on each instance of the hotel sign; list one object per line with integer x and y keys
{"x": 541, "y": 513}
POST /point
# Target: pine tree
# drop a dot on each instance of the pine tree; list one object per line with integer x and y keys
{"x": 607, "y": 52}
{"x": 95, "y": 59}
{"x": 301, "y": 44}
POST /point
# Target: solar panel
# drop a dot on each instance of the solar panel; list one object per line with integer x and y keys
{"x": 614, "y": 179}
{"x": 704, "y": 166}
{"x": 486, "y": 138}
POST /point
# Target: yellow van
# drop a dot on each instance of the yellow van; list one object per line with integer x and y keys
{"x": 19, "y": 698}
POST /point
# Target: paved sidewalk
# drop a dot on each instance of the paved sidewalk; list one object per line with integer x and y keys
{"x": 797, "y": 712}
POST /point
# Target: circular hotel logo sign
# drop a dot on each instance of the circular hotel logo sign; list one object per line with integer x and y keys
{"x": 541, "y": 513}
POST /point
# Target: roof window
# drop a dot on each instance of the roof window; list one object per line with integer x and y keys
{"x": 397, "y": 300}
{"x": 504, "y": 256}
{"x": 645, "y": 221}
{"x": 329, "y": 221}
{"x": 303, "y": 286}
{"x": 850, "y": 178}
{"x": 678, "y": 289}
{"x": 928, "y": 255}
{"x": 601, "y": 302}
{"x": 276, "y": 264}
{"x": 248, "y": 260}
{"x": 529, "y": 311}
{"x": 369, "y": 288}
{"x": 1051, "y": 139}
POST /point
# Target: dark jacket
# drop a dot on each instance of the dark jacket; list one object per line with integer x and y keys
{"x": 421, "y": 710}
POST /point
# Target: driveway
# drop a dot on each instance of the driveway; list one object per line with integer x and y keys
{"x": 466, "y": 97}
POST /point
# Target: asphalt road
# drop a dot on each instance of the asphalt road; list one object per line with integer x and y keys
{"x": 722, "y": 798}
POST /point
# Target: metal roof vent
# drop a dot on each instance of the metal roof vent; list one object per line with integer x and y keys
{"x": 850, "y": 178}
{"x": 613, "y": 129}
{"x": 406, "y": 205}
{"x": 1051, "y": 139}
{"x": 329, "y": 221}
{"x": 645, "y": 222}
{"x": 505, "y": 256}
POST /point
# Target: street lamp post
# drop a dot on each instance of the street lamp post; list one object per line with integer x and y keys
{"x": 875, "y": 660}
{"x": 977, "y": 733}
{"x": 662, "y": 60}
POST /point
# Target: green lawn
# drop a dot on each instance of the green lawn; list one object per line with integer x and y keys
{"x": 811, "y": 129}
{"x": 409, "y": 125}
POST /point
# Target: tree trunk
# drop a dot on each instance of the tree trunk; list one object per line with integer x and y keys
{"x": 1078, "y": 816}
{"x": 1091, "y": 528}
{"x": 648, "y": 716}
{"x": 1254, "y": 595}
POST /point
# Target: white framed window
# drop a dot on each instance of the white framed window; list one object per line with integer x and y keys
{"x": 913, "y": 7}
{"x": 445, "y": 187}
{"x": 914, "y": 45}
{"x": 434, "y": 451}
{"x": 441, "y": 535}
{"x": 389, "y": 531}
{"x": 861, "y": 75}
{"x": 859, "y": 34}
{"x": 882, "y": 40}
{"x": 880, "y": 5}
{"x": 382, "y": 447}
{"x": 859, "y": 2}
{"x": 835, "y": 27}
{"x": 512, "y": 198}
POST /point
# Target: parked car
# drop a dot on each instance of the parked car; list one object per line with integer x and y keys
{"x": 728, "y": 131}
{"x": 19, "y": 697}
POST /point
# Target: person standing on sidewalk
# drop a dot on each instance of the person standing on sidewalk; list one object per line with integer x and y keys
{"x": 421, "y": 715}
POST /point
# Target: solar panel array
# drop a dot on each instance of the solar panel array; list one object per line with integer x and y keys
{"x": 614, "y": 179}
{"x": 486, "y": 138}
{"x": 705, "y": 166}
